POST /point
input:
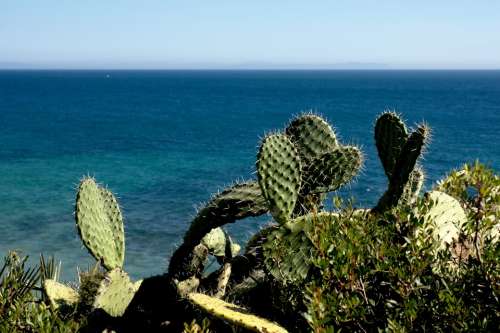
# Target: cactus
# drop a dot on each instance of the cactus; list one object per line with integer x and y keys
{"x": 312, "y": 135}
{"x": 398, "y": 153}
{"x": 234, "y": 314}
{"x": 332, "y": 170}
{"x": 217, "y": 241}
{"x": 412, "y": 188}
{"x": 59, "y": 294}
{"x": 237, "y": 202}
{"x": 99, "y": 223}
{"x": 444, "y": 219}
{"x": 288, "y": 250}
{"x": 390, "y": 136}
{"x": 115, "y": 292}
{"x": 278, "y": 170}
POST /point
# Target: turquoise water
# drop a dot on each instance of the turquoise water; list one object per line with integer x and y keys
{"x": 163, "y": 141}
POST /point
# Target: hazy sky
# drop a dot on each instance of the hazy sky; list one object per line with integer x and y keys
{"x": 249, "y": 34}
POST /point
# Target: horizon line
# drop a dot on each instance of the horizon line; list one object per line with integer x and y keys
{"x": 245, "y": 69}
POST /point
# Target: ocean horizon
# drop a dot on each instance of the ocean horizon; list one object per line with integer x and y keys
{"x": 164, "y": 140}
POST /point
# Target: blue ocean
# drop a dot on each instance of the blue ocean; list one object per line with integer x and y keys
{"x": 164, "y": 141}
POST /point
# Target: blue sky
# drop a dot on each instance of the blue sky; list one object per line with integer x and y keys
{"x": 250, "y": 34}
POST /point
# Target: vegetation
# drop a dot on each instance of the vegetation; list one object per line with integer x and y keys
{"x": 412, "y": 263}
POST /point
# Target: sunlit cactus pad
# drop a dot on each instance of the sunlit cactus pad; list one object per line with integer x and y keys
{"x": 59, "y": 294}
{"x": 234, "y": 314}
{"x": 100, "y": 224}
{"x": 115, "y": 292}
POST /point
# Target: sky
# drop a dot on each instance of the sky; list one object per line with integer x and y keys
{"x": 113, "y": 34}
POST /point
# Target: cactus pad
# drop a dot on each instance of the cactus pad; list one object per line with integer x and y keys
{"x": 288, "y": 255}
{"x": 405, "y": 164}
{"x": 312, "y": 135}
{"x": 216, "y": 241}
{"x": 234, "y": 314}
{"x": 59, "y": 294}
{"x": 445, "y": 218}
{"x": 234, "y": 203}
{"x": 332, "y": 170}
{"x": 115, "y": 292}
{"x": 100, "y": 225}
{"x": 390, "y": 136}
{"x": 278, "y": 168}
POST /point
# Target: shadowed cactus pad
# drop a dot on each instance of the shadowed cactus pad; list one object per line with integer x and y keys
{"x": 278, "y": 168}
{"x": 332, "y": 170}
{"x": 390, "y": 136}
{"x": 312, "y": 135}
{"x": 236, "y": 202}
{"x": 409, "y": 149}
{"x": 288, "y": 250}
{"x": 234, "y": 314}
{"x": 115, "y": 292}
{"x": 100, "y": 225}
{"x": 59, "y": 294}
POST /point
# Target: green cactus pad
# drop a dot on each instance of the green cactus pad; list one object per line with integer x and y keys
{"x": 444, "y": 219}
{"x": 288, "y": 255}
{"x": 390, "y": 137}
{"x": 216, "y": 241}
{"x": 332, "y": 170}
{"x": 59, "y": 294}
{"x": 115, "y": 293}
{"x": 234, "y": 314}
{"x": 100, "y": 225}
{"x": 312, "y": 135}
{"x": 404, "y": 166}
{"x": 278, "y": 168}
{"x": 288, "y": 250}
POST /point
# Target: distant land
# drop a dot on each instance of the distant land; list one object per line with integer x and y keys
{"x": 13, "y": 65}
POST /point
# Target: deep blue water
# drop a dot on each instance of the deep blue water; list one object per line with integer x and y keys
{"x": 163, "y": 141}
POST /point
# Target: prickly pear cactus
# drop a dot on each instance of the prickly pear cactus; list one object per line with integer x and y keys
{"x": 237, "y": 202}
{"x": 234, "y": 314}
{"x": 390, "y": 136}
{"x": 59, "y": 294}
{"x": 398, "y": 152}
{"x": 216, "y": 242}
{"x": 278, "y": 170}
{"x": 312, "y": 135}
{"x": 115, "y": 292}
{"x": 288, "y": 250}
{"x": 444, "y": 219}
{"x": 100, "y": 224}
{"x": 332, "y": 169}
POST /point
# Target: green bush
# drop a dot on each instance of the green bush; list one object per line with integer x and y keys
{"x": 376, "y": 273}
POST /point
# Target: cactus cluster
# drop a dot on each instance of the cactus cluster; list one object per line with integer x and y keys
{"x": 296, "y": 168}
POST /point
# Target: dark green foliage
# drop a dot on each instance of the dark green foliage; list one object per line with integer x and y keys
{"x": 376, "y": 273}
{"x": 20, "y": 309}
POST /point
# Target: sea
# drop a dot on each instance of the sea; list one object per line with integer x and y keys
{"x": 165, "y": 141}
